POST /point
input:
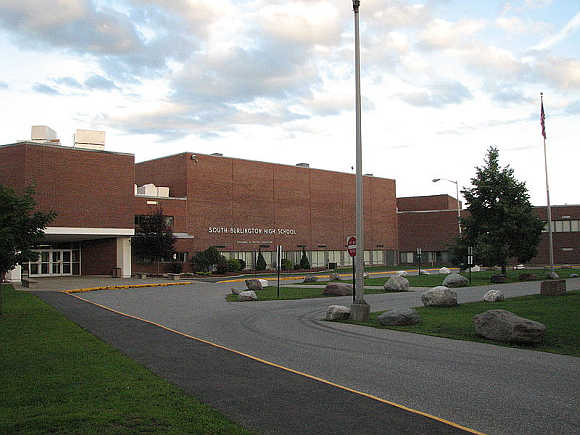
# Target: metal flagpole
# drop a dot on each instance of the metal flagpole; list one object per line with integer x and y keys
{"x": 543, "y": 122}
{"x": 359, "y": 310}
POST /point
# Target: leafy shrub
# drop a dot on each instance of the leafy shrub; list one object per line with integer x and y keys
{"x": 304, "y": 263}
{"x": 203, "y": 261}
{"x": 234, "y": 265}
{"x": 286, "y": 264}
{"x": 222, "y": 265}
{"x": 297, "y": 267}
{"x": 242, "y": 264}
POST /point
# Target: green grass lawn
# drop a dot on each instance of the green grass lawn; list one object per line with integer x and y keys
{"x": 560, "y": 314}
{"x": 270, "y": 293}
{"x": 58, "y": 378}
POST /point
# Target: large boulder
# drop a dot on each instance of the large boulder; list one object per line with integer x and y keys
{"x": 527, "y": 277}
{"x": 248, "y": 295}
{"x": 505, "y": 326}
{"x": 444, "y": 270}
{"x": 256, "y": 284}
{"x": 402, "y": 273}
{"x": 338, "y": 289}
{"x": 309, "y": 279}
{"x": 397, "y": 283}
{"x": 493, "y": 296}
{"x": 236, "y": 291}
{"x": 333, "y": 276}
{"x": 498, "y": 279}
{"x": 399, "y": 317}
{"x": 573, "y": 275}
{"x": 476, "y": 268}
{"x": 552, "y": 275}
{"x": 455, "y": 280}
{"x": 337, "y": 312}
{"x": 439, "y": 296}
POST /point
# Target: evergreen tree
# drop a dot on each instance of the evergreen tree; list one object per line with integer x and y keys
{"x": 153, "y": 237}
{"x": 500, "y": 223}
{"x": 21, "y": 229}
{"x": 260, "y": 262}
{"x": 304, "y": 263}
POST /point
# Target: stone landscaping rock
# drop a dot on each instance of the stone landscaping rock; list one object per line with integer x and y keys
{"x": 338, "y": 289}
{"x": 505, "y": 326}
{"x": 444, "y": 270}
{"x": 527, "y": 277}
{"x": 337, "y": 312}
{"x": 498, "y": 279}
{"x": 334, "y": 276}
{"x": 256, "y": 284}
{"x": 573, "y": 275}
{"x": 397, "y": 283}
{"x": 402, "y": 273}
{"x": 236, "y": 291}
{"x": 552, "y": 275}
{"x": 399, "y": 317}
{"x": 493, "y": 296}
{"x": 439, "y": 296}
{"x": 365, "y": 275}
{"x": 455, "y": 280}
{"x": 308, "y": 279}
{"x": 249, "y": 295}
{"x": 476, "y": 268}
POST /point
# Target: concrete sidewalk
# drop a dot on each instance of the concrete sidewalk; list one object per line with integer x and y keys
{"x": 55, "y": 284}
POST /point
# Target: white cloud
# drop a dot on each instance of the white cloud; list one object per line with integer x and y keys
{"x": 571, "y": 26}
{"x": 442, "y": 34}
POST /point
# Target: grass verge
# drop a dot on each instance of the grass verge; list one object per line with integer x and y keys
{"x": 58, "y": 378}
{"x": 270, "y": 293}
{"x": 559, "y": 313}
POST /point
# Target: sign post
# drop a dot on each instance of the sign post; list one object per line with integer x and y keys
{"x": 279, "y": 265}
{"x": 419, "y": 252}
{"x": 470, "y": 260}
{"x": 351, "y": 248}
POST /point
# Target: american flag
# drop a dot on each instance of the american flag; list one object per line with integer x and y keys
{"x": 543, "y": 118}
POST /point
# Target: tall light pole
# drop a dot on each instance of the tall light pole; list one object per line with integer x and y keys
{"x": 359, "y": 309}
{"x": 435, "y": 180}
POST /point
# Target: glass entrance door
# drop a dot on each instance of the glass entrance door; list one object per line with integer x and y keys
{"x": 52, "y": 262}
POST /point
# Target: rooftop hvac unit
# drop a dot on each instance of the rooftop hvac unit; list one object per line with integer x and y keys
{"x": 303, "y": 165}
{"x": 43, "y": 133}
{"x": 89, "y": 139}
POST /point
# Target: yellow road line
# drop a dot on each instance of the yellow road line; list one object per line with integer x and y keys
{"x": 117, "y": 287}
{"x": 272, "y": 364}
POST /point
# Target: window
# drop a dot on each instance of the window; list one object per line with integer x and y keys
{"x": 574, "y": 226}
{"x": 407, "y": 257}
{"x": 558, "y": 226}
{"x": 565, "y": 226}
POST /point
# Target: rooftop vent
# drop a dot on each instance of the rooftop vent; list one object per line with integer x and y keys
{"x": 43, "y": 134}
{"x": 89, "y": 139}
{"x": 153, "y": 190}
{"x": 217, "y": 154}
{"x": 303, "y": 165}
{"x": 368, "y": 175}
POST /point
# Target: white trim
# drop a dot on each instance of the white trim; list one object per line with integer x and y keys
{"x": 89, "y": 231}
{"x": 183, "y": 236}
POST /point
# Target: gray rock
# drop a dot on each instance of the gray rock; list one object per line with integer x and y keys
{"x": 493, "y": 296}
{"x": 397, "y": 283}
{"x": 333, "y": 276}
{"x": 455, "y": 280}
{"x": 249, "y": 295}
{"x": 236, "y": 291}
{"x": 439, "y": 296}
{"x": 476, "y": 268}
{"x": 399, "y": 317}
{"x": 552, "y": 275}
{"x": 338, "y": 289}
{"x": 365, "y": 275}
{"x": 337, "y": 312}
{"x": 256, "y": 284}
{"x": 402, "y": 273}
{"x": 505, "y": 326}
{"x": 308, "y": 279}
{"x": 573, "y": 275}
{"x": 444, "y": 270}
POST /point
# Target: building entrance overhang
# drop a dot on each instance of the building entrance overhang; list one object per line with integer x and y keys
{"x": 71, "y": 234}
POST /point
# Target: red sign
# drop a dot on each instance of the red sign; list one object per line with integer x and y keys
{"x": 351, "y": 246}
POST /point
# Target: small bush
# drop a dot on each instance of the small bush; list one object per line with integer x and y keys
{"x": 286, "y": 264}
{"x": 234, "y": 265}
{"x": 242, "y": 264}
{"x": 297, "y": 267}
{"x": 222, "y": 265}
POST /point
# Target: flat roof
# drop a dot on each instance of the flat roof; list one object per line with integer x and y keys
{"x": 51, "y": 145}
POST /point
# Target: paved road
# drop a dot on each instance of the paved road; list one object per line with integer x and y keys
{"x": 488, "y": 388}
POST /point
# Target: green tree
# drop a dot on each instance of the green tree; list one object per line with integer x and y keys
{"x": 21, "y": 228}
{"x": 154, "y": 237}
{"x": 260, "y": 262}
{"x": 304, "y": 263}
{"x": 500, "y": 223}
{"x": 203, "y": 261}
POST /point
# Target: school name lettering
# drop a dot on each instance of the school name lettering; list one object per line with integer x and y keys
{"x": 236, "y": 230}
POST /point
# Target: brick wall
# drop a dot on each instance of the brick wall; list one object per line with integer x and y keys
{"x": 431, "y": 202}
{"x": 430, "y": 231}
{"x": 166, "y": 172}
{"x": 12, "y": 167}
{"x": 98, "y": 257}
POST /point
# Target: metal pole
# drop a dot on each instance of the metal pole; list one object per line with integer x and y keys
{"x": 548, "y": 198}
{"x": 359, "y": 285}
{"x": 458, "y": 211}
{"x": 353, "y": 280}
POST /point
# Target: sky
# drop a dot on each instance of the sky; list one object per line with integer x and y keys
{"x": 273, "y": 80}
